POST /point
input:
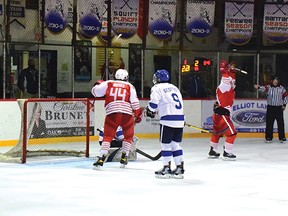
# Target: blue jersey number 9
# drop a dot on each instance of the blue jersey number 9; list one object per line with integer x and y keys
{"x": 176, "y": 99}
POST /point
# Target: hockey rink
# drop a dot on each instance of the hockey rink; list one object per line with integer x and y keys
{"x": 255, "y": 184}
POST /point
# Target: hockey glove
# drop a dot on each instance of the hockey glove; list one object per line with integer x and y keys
{"x": 138, "y": 115}
{"x": 150, "y": 113}
{"x": 215, "y": 106}
{"x": 138, "y": 119}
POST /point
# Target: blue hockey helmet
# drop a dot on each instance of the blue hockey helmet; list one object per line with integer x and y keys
{"x": 161, "y": 76}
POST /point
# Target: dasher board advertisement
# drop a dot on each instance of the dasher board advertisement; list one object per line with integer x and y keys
{"x": 246, "y": 115}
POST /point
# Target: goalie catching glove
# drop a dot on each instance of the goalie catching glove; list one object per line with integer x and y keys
{"x": 150, "y": 113}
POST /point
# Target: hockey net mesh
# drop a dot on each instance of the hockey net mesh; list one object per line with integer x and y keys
{"x": 53, "y": 127}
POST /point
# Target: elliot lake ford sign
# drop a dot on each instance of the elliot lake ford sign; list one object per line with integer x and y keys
{"x": 250, "y": 117}
{"x": 247, "y": 115}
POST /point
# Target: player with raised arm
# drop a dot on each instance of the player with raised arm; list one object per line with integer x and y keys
{"x": 222, "y": 124}
{"x": 167, "y": 99}
{"x": 122, "y": 109}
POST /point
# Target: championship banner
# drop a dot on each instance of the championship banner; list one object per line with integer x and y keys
{"x": 200, "y": 17}
{"x": 17, "y": 12}
{"x": 162, "y": 17}
{"x": 275, "y": 24}
{"x": 125, "y": 17}
{"x": 56, "y": 15}
{"x": 239, "y": 18}
{"x": 90, "y": 17}
{"x": 246, "y": 115}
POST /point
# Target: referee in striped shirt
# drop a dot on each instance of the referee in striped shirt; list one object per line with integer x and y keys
{"x": 277, "y": 98}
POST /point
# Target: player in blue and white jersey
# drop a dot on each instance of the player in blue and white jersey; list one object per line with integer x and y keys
{"x": 167, "y": 99}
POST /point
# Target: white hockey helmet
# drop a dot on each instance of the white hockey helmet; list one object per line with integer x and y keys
{"x": 121, "y": 74}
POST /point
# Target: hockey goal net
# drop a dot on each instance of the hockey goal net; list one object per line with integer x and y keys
{"x": 53, "y": 127}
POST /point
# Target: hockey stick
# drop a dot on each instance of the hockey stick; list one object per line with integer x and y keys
{"x": 149, "y": 156}
{"x": 197, "y": 128}
{"x": 142, "y": 153}
{"x": 241, "y": 71}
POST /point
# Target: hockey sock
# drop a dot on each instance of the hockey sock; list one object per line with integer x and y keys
{"x": 177, "y": 153}
{"x": 166, "y": 153}
{"x": 230, "y": 139}
{"x": 104, "y": 148}
{"x": 214, "y": 145}
{"x": 214, "y": 139}
{"x": 126, "y": 147}
{"x": 228, "y": 147}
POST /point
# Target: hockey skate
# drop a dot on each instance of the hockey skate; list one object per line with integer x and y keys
{"x": 178, "y": 172}
{"x": 164, "y": 173}
{"x": 123, "y": 160}
{"x": 213, "y": 154}
{"x": 228, "y": 156}
{"x": 99, "y": 163}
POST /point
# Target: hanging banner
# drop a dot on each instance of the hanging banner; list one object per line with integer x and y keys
{"x": 2, "y": 15}
{"x": 56, "y": 15}
{"x": 200, "y": 17}
{"x": 125, "y": 17}
{"x": 17, "y": 12}
{"x": 239, "y": 18}
{"x": 143, "y": 24}
{"x": 275, "y": 24}
{"x": 162, "y": 16}
{"x": 90, "y": 17}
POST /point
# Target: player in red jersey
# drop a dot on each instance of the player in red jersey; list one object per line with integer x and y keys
{"x": 222, "y": 124}
{"x": 122, "y": 109}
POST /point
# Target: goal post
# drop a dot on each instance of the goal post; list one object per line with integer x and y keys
{"x": 53, "y": 127}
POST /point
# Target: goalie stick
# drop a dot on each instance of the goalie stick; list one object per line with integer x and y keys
{"x": 149, "y": 156}
{"x": 197, "y": 128}
{"x": 141, "y": 152}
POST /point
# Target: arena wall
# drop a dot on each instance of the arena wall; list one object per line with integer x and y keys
{"x": 197, "y": 113}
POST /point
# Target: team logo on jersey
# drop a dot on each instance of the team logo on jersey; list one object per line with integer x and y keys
{"x": 250, "y": 117}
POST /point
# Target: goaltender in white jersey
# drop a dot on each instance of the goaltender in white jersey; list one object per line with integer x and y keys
{"x": 167, "y": 99}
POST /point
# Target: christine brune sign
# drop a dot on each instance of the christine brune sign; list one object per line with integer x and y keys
{"x": 247, "y": 115}
{"x": 59, "y": 119}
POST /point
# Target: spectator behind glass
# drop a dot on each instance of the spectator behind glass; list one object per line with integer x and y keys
{"x": 28, "y": 81}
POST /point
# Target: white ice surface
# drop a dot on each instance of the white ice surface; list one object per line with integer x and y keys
{"x": 254, "y": 185}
